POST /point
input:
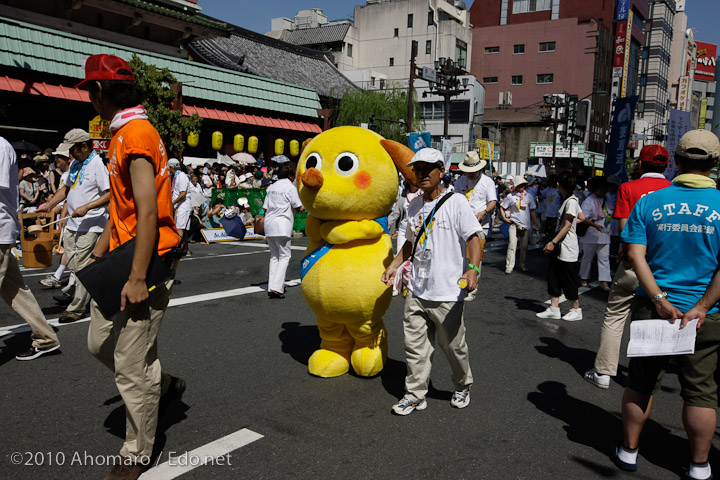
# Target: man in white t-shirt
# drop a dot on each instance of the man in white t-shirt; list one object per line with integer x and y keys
{"x": 87, "y": 192}
{"x": 518, "y": 209}
{"x": 446, "y": 226}
{"x": 181, "y": 199}
{"x": 12, "y": 285}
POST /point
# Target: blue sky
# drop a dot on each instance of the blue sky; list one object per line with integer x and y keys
{"x": 255, "y": 15}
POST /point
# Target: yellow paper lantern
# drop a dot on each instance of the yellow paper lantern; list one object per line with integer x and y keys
{"x": 294, "y": 148}
{"x": 238, "y": 143}
{"x": 217, "y": 140}
{"x": 252, "y": 144}
{"x": 193, "y": 139}
{"x": 279, "y": 146}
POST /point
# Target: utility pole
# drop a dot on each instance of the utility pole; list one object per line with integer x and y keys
{"x": 413, "y": 54}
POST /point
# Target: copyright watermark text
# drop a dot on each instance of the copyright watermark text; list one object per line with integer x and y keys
{"x": 174, "y": 459}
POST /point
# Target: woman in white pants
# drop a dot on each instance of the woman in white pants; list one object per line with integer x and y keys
{"x": 281, "y": 202}
{"x": 596, "y": 241}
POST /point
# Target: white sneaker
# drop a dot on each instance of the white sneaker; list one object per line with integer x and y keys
{"x": 406, "y": 406}
{"x": 550, "y": 312}
{"x": 573, "y": 315}
{"x": 461, "y": 398}
{"x": 600, "y": 381}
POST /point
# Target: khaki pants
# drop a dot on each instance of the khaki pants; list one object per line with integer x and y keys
{"x": 519, "y": 244}
{"x": 127, "y": 345}
{"x": 617, "y": 312}
{"x": 79, "y": 246}
{"x": 14, "y": 291}
{"x": 423, "y": 320}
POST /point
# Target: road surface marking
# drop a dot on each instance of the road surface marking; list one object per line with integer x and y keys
{"x": 174, "y": 302}
{"x": 212, "y": 453}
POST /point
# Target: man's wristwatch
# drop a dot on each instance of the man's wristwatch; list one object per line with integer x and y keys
{"x": 659, "y": 297}
{"x": 93, "y": 256}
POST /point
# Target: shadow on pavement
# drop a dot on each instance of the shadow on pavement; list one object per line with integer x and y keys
{"x": 590, "y": 425}
{"x": 173, "y": 414}
{"x": 300, "y": 341}
{"x": 530, "y": 304}
{"x": 16, "y": 344}
{"x": 579, "y": 358}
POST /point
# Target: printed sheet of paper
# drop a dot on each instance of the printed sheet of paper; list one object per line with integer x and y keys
{"x": 651, "y": 338}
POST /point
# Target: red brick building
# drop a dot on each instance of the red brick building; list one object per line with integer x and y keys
{"x": 523, "y": 49}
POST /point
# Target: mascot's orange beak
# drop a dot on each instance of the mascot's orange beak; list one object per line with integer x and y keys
{"x": 313, "y": 179}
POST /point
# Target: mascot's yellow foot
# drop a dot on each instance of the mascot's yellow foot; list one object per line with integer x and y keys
{"x": 328, "y": 364}
{"x": 367, "y": 361}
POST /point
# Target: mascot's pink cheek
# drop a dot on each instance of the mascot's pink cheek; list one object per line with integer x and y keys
{"x": 363, "y": 180}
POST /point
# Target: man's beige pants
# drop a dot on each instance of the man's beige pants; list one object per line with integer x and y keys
{"x": 127, "y": 345}
{"x": 617, "y": 312}
{"x": 79, "y": 246}
{"x": 20, "y": 298}
{"x": 423, "y": 320}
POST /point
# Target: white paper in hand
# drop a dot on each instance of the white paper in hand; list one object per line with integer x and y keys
{"x": 651, "y": 338}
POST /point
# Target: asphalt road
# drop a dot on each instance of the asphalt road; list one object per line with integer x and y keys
{"x": 244, "y": 358}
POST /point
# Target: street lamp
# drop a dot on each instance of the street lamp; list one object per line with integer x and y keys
{"x": 447, "y": 84}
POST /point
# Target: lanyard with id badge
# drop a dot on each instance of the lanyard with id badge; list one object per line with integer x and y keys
{"x": 425, "y": 257}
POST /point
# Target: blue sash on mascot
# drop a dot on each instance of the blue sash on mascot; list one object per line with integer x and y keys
{"x": 310, "y": 260}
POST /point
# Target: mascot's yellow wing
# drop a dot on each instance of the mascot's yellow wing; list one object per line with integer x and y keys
{"x": 343, "y": 231}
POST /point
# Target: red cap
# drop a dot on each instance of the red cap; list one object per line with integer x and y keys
{"x": 654, "y": 154}
{"x": 106, "y": 67}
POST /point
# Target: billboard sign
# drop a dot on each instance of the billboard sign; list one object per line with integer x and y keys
{"x": 679, "y": 5}
{"x": 626, "y": 60}
{"x": 703, "y": 113}
{"x": 623, "y": 10}
{"x": 684, "y": 94}
{"x": 706, "y": 59}
{"x": 619, "y": 46}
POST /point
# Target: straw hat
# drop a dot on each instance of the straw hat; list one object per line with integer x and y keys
{"x": 472, "y": 162}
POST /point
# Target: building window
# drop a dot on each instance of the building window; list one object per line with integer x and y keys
{"x": 527, "y": 6}
{"x": 396, "y": 32}
{"x": 461, "y": 53}
{"x": 516, "y": 80}
{"x": 490, "y": 79}
{"x": 372, "y": 81}
{"x": 392, "y": 62}
{"x": 382, "y": 84}
{"x": 410, "y": 20}
{"x": 545, "y": 78}
{"x": 428, "y": 46}
{"x": 349, "y": 50}
{"x": 433, "y": 110}
{"x": 519, "y": 49}
{"x": 495, "y": 49}
{"x": 431, "y": 18}
{"x": 546, "y": 47}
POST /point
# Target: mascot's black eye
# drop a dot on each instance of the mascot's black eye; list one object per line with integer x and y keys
{"x": 313, "y": 161}
{"x": 346, "y": 164}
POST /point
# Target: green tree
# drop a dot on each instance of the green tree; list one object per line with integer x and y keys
{"x": 159, "y": 96}
{"x": 357, "y": 106}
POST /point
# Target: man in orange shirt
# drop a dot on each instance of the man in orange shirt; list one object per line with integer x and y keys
{"x": 140, "y": 208}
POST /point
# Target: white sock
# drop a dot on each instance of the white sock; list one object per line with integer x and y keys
{"x": 60, "y": 270}
{"x": 554, "y": 309}
{"x": 70, "y": 284}
{"x": 700, "y": 471}
{"x": 627, "y": 456}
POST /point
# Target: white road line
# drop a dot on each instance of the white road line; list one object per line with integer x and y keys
{"x": 581, "y": 290}
{"x": 259, "y": 245}
{"x": 175, "y": 302}
{"x": 207, "y": 454}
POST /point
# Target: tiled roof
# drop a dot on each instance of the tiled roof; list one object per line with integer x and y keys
{"x": 23, "y": 45}
{"x": 317, "y": 35}
{"x": 197, "y": 19}
{"x": 250, "y": 52}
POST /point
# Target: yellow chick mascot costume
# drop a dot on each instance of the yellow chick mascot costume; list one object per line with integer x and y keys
{"x": 347, "y": 180}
